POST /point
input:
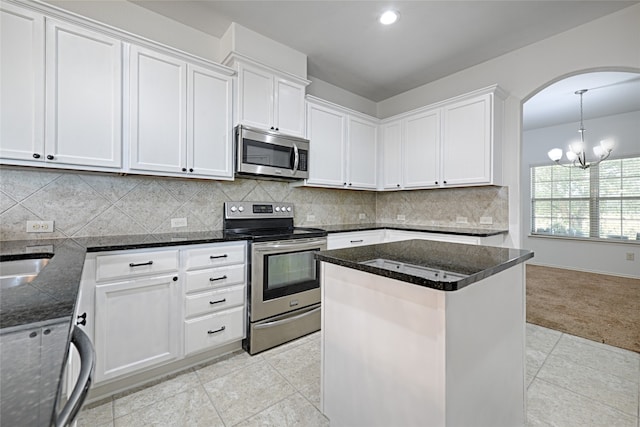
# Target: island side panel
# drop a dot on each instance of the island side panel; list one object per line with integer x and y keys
{"x": 485, "y": 352}
{"x": 383, "y": 350}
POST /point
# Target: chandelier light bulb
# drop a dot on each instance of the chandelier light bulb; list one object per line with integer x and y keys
{"x": 577, "y": 147}
{"x": 571, "y": 156}
{"x": 607, "y": 144}
{"x": 555, "y": 154}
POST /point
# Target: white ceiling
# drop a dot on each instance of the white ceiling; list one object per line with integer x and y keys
{"x": 347, "y": 47}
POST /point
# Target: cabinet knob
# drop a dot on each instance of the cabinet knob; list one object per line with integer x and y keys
{"x": 349, "y": 184}
{"x": 436, "y": 182}
{"x": 398, "y": 185}
{"x": 36, "y": 155}
{"x": 272, "y": 128}
{"x": 50, "y": 157}
{"x": 444, "y": 182}
{"x": 277, "y": 128}
{"x": 184, "y": 169}
{"x": 175, "y": 278}
{"x": 83, "y": 320}
{"x": 190, "y": 169}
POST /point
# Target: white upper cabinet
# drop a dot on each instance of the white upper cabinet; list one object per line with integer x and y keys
{"x": 180, "y": 116}
{"x": 452, "y": 144}
{"x": 83, "y": 97}
{"x": 209, "y": 132}
{"x": 467, "y": 142}
{"x": 157, "y": 99}
{"x": 83, "y": 108}
{"x": 270, "y": 100}
{"x": 21, "y": 83}
{"x": 342, "y": 146}
{"x": 326, "y": 131}
{"x": 361, "y": 158}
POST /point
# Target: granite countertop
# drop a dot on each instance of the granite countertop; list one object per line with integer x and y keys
{"x": 437, "y": 265}
{"x": 467, "y": 231}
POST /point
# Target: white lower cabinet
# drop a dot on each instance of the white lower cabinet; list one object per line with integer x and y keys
{"x": 354, "y": 238}
{"x": 214, "y": 329}
{"x": 145, "y": 309}
{"x": 137, "y": 325}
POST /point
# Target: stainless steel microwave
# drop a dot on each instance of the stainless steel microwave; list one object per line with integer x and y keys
{"x": 270, "y": 154}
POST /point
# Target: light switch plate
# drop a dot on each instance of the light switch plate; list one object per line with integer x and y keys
{"x": 362, "y": 216}
{"x": 400, "y": 218}
{"x": 311, "y": 217}
{"x": 178, "y": 222}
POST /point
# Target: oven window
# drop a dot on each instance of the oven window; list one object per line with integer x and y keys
{"x": 263, "y": 154}
{"x": 290, "y": 273}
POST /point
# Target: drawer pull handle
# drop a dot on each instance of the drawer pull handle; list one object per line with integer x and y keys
{"x": 213, "y": 279}
{"x": 140, "y": 264}
{"x": 217, "y": 330}
{"x": 218, "y": 302}
{"x": 218, "y": 256}
{"x": 357, "y": 241}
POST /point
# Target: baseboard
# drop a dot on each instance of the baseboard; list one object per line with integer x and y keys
{"x": 564, "y": 267}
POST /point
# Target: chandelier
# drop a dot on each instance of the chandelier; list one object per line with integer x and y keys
{"x": 576, "y": 154}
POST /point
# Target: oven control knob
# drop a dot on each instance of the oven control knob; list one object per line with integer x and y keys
{"x": 277, "y": 208}
{"x": 233, "y": 209}
{"x": 241, "y": 209}
{"x": 288, "y": 208}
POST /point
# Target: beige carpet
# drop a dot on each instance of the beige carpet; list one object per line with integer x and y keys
{"x": 594, "y": 306}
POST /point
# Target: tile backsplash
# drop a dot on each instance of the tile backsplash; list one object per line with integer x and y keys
{"x": 93, "y": 204}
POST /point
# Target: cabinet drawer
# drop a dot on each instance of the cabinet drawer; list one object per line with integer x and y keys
{"x": 135, "y": 264}
{"x": 215, "y": 278}
{"x": 218, "y": 300}
{"x": 359, "y": 238}
{"x": 213, "y": 330}
{"x": 215, "y": 255}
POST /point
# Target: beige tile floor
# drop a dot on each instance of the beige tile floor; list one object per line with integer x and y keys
{"x": 570, "y": 382}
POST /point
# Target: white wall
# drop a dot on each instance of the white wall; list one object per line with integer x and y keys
{"x": 611, "y": 42}
{"x": 599, "y": 257}
{"x": 337, "y": 95}
{"x": 143, "y": 22}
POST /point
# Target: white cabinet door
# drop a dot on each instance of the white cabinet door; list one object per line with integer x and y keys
{"x": 392, "y": 155}
{"x": 21, "y": 84}
{"x": 256, "y": 94}
{"x": 326, "y": 131}
{"x": 157, "y": 111}
{"x": 466, "y": 144}
{"x": 209, "y": 132}
{"x": 137, "y": 325}
{"x": 422, "y": 150}
{"x": 361, "y": 157}
{"x": 289, "y": 107}
{"x": 84, "y": 97}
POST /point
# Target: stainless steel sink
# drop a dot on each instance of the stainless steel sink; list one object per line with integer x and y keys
{"x": 19, "y": 272}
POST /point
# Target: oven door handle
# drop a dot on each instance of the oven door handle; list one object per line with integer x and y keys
{"x": 270, "y": 247}
{"x": 287, "y": 319}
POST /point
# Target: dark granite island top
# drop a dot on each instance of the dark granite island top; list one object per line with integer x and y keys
{"x": 437, "y": 265}
{"x": 36, "y": 317}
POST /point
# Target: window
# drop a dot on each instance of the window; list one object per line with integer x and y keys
{"x": 601, "y": 202}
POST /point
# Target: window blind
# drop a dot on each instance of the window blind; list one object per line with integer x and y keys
{"x": 601, "y": 202}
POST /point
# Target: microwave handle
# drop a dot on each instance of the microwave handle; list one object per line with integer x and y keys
{"x": 296, "y": 158}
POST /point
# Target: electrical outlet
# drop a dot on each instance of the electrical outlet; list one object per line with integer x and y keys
{"x": 631, "y": 256}
{"x": 362, "y": 216}
{"x": 461, "y": 219}
{"x": 39, "y": 226}
{"x": 486, "y": 220}
{"x": 400, "y": 218}
{"x": 311, "y": 217}
{"x": 178, "y": 222}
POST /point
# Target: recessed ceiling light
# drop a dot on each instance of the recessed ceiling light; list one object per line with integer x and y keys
{"x": 389, "y": 17}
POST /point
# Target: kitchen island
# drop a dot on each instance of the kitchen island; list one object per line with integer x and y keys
{"x": 423, "y": 333}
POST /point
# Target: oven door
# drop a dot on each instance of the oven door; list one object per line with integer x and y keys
{"x": 285, "y": 276}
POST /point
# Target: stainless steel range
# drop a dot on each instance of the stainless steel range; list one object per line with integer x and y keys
{"x": 284, "y": 283}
